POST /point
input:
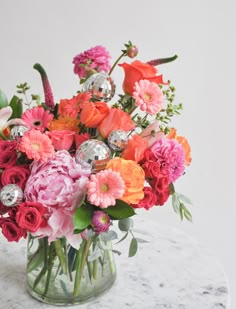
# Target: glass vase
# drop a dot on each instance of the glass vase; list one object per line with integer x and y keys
{"x": 58, "y": 274}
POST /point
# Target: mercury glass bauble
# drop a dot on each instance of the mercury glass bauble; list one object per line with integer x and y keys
{"x": 11, "y": 195}
{"x": 118, "y": 140}
{"x": 93, "y": 153}
{"x": 17, "y": 132}
{"x": 101, "y": 87}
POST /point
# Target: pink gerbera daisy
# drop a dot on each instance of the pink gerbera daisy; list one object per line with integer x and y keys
{"x": 148, "y": 96}
{"x": 36, "y": 145}
{"x": 105, "y": 187}
{"x": 37, "y": 118}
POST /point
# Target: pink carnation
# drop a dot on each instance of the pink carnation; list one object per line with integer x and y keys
{"x": 170, "y": 155}
{"x": 95, "y": 59}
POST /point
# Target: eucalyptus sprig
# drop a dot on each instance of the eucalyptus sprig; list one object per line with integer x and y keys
{"x": 23, "y": 89}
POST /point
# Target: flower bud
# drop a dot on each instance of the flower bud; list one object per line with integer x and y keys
{"x": 132, "y": 51}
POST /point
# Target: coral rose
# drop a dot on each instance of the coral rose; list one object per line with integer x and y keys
{"x": 93, "y": 113}
{"x": 137, "y": 71}
{"x": 62, "y": 140}
{"x": 135, "y": 148}
{"x": 116, "y": 120}
{"x": 133, "y": 176}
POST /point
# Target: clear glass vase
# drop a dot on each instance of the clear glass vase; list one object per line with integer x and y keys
{"x": 61, "y": 275}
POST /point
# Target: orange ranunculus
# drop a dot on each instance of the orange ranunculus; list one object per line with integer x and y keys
{"x": 72, "y": 107}
{"x": 93, "y": 113}
{"x": 61, "y": 140}
{"x": 183, "y": 141}
{"x": 64, "y": 123}
{"x": 133, "y": 176}
{"x": 135, "y": 148}
{"x": 137, "y": 71}
{"x": 116, "y": 120}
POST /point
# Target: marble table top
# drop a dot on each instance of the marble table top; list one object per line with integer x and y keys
{"x": 171, "y": 271}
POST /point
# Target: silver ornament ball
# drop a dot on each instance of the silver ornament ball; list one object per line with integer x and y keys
{"x": 11, "y": 195}
{"x": 17, "y": 132}
{"x": 118, "y": 140}
{"x": 93, "y": 153}
{"x": 101, "y": 87}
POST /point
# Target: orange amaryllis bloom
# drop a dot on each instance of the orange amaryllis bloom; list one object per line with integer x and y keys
{"x": 116, "y": 120}
{"x": 64, "y": 123}
{"x": 137, "y": 71}
{"x": 133, "y": 176}
{"x": 93, "y": 113}
{"x": 135, "y": 148}
{"x": 183, "y": 141}
{"x": 72, "y": 107}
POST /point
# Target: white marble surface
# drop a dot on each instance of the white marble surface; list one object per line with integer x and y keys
{"x": 172, "y": 271}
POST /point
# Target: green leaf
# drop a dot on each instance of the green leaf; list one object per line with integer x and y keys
{"x": 184, "y": 199}
{"x": 123, "y": 238}
{"x": 176, "y": 203}
{"x": 141, "y": 241}
{"x": 186, "y": 213}
{"x": 120, "y": 211}
{"x": 133, "y": 248}
{"x": 17, "y": 107}
{"x": 125, "y": 224}
{"x": 82, "y": 217}
{"x": 3, "y": 99}
{"x": 181, "y": 212}
{"x": 109, "y": 235}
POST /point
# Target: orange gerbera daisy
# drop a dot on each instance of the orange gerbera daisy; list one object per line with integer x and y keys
{"x": 64, "y": 123}
{"x": 36, "y": 145}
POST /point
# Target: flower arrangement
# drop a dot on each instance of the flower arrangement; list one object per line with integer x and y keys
{"x": 69, "y": 170}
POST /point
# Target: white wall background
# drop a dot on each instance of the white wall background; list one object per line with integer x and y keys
{"x": 201, "y": 32}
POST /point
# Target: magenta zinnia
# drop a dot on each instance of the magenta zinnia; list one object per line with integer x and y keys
{"x": 148, "y": 96}
{"x": 36, "y": 145}
{"x": 95, "y": 59}
{"x": 104, "y": 188}
{"x": 37, "y": 118}
{"x": 100, "y": 221}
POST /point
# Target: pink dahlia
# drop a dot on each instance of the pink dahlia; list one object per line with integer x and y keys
{"x": 95, "y": 59}
{"x": 36, "y": 145}
{"x": 148, "y": 96}
{"x": 37, "y": 118}
{"x": 104, "y": 188}
{"x": 100, "y": 221}
{"x": 170, "y": 155}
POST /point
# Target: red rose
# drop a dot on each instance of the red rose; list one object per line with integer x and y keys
{"x": 29, "y": 216}
{"x": 80, "y": 138}
{"x": 15, "y": 175}
{"x": 7, "y": 146}
{"x": 11, "y": 230}
{"x": 160, "y": 183}
{"x": 163, "y": 196}
{"x": 8, "y": 158}
{"x": 149, "y": 200}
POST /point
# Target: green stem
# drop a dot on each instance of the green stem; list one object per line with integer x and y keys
{"x": 45, "y": 262}
{"x": 117, "y": 61}
{"x": 49, "y": 268}
{"x": 61, "y": 255}
{"x": 83, "y": 254}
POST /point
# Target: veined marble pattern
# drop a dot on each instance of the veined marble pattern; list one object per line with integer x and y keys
{"x": 172, "y": 271}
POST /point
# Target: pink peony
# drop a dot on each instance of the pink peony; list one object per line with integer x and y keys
{"x": 100, "y": 221}
{"x": 148, "y": 96}
{"x": 59, "y": 183}
{"x": 95, "y": 59}
{"x": 170, "y": 155}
